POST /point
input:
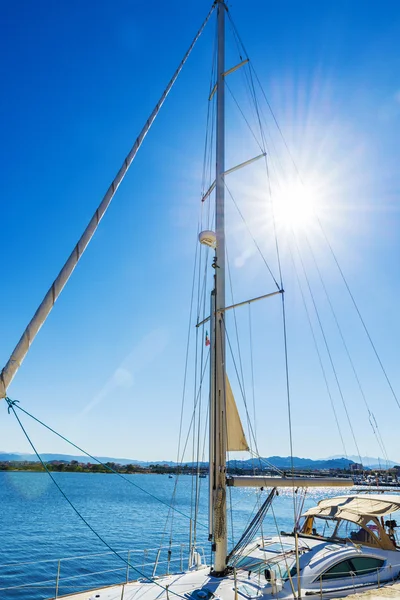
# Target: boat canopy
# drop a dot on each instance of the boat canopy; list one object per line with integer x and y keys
{"x": 356, "y": 508}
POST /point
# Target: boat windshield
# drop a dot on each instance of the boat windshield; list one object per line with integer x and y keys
{"x": 340, "y": 529}
{"x": 280, "y": 566}
{"x": 351, "y": 531}
{"x": 319, "y": 526}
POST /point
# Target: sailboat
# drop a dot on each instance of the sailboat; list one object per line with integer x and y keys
{"x": 341, "y": 546}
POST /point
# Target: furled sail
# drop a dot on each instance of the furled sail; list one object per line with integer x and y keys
{"x": 236, "y": 440}
{"x": 21, "y": 349}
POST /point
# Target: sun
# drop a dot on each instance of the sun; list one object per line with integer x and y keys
{"x": 294, "y": 205}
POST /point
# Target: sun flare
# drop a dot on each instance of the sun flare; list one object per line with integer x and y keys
{"x": 294, "y": 205}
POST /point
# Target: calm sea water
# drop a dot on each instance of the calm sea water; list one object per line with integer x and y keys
{"x": 37, "y": 524}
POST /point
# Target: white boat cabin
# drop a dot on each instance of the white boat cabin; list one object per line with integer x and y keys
{"x": 358, "y": 519}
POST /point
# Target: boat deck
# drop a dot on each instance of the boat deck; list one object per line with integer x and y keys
{"x": 169, "y": 588}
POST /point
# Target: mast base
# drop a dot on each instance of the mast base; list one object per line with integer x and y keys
{"x": 219, "y": 574}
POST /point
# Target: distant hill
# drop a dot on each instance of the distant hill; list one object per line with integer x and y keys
{"x": 19, "y": 457}
{"x": 281, "y": 462}
{"x": 371, "y": 461}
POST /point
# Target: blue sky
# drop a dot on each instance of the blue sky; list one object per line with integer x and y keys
{"x": 79, "y": 80}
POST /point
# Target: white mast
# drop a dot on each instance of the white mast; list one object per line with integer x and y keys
{"x": 218, "y": 395}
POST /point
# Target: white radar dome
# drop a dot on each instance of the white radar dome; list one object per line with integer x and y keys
{"x": 208, "y": 238}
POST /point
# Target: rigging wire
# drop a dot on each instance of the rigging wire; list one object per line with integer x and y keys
{"x": 288, "y": 399}
{"x": 288, "y": 570}
{"x": 201, "y": 297}
{"x": 284, "y": 320}
{"x": 247, "y": 74}
{"x": 9, "y": 400}
{"x": 222, "y": 330}
{"x": 242, "y": 375}
{"x": 192, "y": 423}
{"x": 250, "y": 531}
{"x": 236, "y": 332}
{"x": 280, "y": 287}
{"x": 210, "y": 120}
{"x": 206, "y": 173}
{"x": 231, "y": 513}
{"x": 289, "y": 407}
{"x": 252, "y": 237}
{"x": 185, "y": 376}
{"x": 180, "y": 462}
{"x": 244, "y": 117}
{"x": 270, "y": 271}
{"x": 210, "y": 216}
{"x": 194, "y": 480}
{"x": 301, "y": 506}
{"x": 256, "y": 454}
{"x": 344, "y": 279}
{"x": 244, "y": 70}
{"x": 372, "y": 418}
{"x": 252, "y": 371}
{"x": 251, "y": 435}
{"x": 11, "y": 405}
{"x": 250, "y": 82}
{"x": 359, "y": 313}
{"x": 328, "y": 352}
{"x": 370, "y": 414}
{"x": 243, "y": 381}
{"x": 251, "y": 67}
{"x": 201, "y": 292}
{"x": 199, "y": 488}
{"x": 254, "y": 409}
{"x": 318, "y": 354}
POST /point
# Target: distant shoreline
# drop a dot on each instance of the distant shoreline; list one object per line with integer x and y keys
{"x": 160, "y": 469}
{"x": 77, "y": 467}
{"x": 331, "y": 465}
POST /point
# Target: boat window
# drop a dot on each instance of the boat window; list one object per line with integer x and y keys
{"x": 279, "y": 566}
{"x": 248, "y": 591}
{"x": 282, "y": 567}
{"x": 249, "y": 563}
{"x": 363, "y": 565}
{"x": 372, "y": 526}
{"x": 359, "y": 565}
{"x": 342, "y": 569}
{"x": 347, "y": 530}
{"x": 323, "y": 527}
{"x": 318, "y": 526}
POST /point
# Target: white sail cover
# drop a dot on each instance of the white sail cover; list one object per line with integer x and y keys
{"x": 236, "y": 440}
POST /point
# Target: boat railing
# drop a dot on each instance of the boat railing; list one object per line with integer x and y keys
{"x": 56, "y": 577}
